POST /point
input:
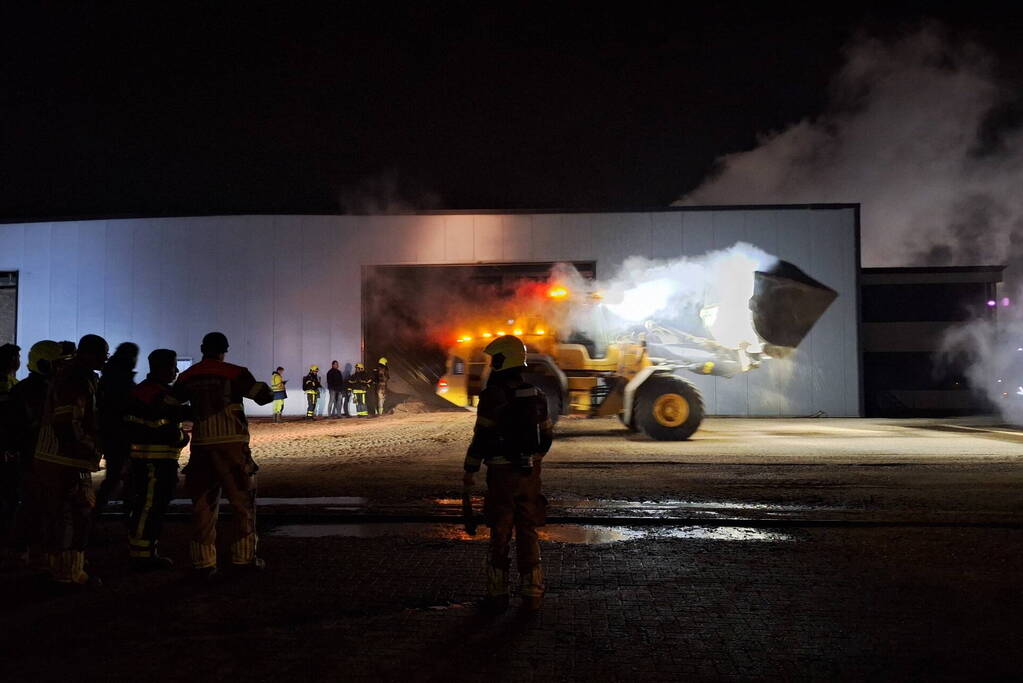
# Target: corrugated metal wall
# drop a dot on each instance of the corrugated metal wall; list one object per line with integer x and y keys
{"x": 285, "y": 289}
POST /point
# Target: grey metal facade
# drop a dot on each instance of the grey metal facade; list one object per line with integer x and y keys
{"x": 286, "y": 289}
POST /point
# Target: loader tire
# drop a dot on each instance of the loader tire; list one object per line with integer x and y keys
{"x": 668, "y": 408}
{"x": 621, "y": 418}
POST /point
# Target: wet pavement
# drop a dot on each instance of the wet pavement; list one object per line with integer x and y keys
{"x": 763, "y": 549}
{"x": 624, "y": 603}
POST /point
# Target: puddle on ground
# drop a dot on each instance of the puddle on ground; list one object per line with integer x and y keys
{"x": 656, "y": 507}
{"x": 342, "y": 502}
{"x": 558, "y": 533}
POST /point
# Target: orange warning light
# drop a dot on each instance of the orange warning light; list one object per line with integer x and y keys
{"x": 487, "y": 335}
{"x": 500, "y": 334}
{"x": 539, "y": 331}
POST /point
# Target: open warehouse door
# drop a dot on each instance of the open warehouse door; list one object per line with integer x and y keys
{"x": 408, "y": 314}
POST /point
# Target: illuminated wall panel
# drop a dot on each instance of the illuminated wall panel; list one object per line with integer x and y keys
{"x": 286, "y": 289}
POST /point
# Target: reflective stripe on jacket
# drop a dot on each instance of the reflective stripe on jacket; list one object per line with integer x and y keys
{"x": 215, "y": 390}
{"x": 69, "y": 432}
{"x": 152, "y": 421}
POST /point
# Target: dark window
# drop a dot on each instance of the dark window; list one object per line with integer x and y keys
{"x": 927, "y": 302}
{"x": 887, "y": 371}
{"x": 457, "y": 366}
{"x": 8, "y": 307}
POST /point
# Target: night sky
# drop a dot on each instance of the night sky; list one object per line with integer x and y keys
{"x": 264, "y": 109}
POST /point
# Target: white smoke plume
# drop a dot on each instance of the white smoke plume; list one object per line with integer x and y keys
{"x": 912, "y": 133}
{"x": 994, "y": 351}
{"x": 922, "y": 132}
{"x": 705, "y": 294}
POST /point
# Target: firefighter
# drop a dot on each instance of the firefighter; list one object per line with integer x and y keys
{"x": 67, "y": 452}
{"x": 311, "y": 387}
{"x": 152, "y": 421}
{"x": 25, "y": 414}
{"x": 360, "y": 383}
{"x": 115, "y": 387}
{"x": 10, "y": 362}
{"x": 381, "y": 375}
{"x": 512, "y": 434}
{"x": 220, "y": 457}
{"x": 277, "y": 386}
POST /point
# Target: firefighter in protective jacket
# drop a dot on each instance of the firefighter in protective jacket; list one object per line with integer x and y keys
{"x": 67, "y": 452}
{"x": 360, "y": 383}
{"x": 220, "y": 458}
{"x": 513, "y": 432}
{"x": 25, "y": 414}
{"x": 152, "y": 425}
{"x": 311, "y": 386}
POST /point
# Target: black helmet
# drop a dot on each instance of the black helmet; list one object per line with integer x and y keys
{"x": 214, "y": 343}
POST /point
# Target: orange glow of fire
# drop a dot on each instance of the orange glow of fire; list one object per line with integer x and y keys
{"x": 557, "y": 292}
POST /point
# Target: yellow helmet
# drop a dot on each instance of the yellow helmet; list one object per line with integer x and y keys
{"x": 360, "y": 366}
{"x": 314, "y": 368}
{"x": 45, "y": 352}
{"x": 506, "y": 352}
{"x": 382, "y": 361}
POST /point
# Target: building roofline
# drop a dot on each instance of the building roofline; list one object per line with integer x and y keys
{"x": 934, "y": 269}
{"x": 439, "y": 212}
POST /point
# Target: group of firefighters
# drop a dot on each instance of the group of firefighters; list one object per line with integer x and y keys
{"x": 366, "y": 390}
{"x": 59, "y": 423}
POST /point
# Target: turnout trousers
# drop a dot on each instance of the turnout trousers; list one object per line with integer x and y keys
{"x": 359, "y": 396}
{"x": 229, "y": 469}
{"x": 66, "y": 500}
{"x": 311, "y": 398}
{"x": 11, "y": 488}
{"x": 151, "y": 484}
{"x": 513, "y": 502}
{"x": 116, "y": 456}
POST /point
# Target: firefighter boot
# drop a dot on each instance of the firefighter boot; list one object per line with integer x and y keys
{"x": 204, "y": 561}
{"x": 532, "y": 589}
{"x": 496, "y": 600}
{"x": 68, "y": 569}
{"x": 243, "y": 554}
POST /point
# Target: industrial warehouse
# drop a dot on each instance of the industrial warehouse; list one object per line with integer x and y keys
{"x": 291, "y": 290}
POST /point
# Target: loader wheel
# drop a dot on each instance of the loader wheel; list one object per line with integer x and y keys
{"x": 621, "y": 418}
{"x": 668, "y": 408}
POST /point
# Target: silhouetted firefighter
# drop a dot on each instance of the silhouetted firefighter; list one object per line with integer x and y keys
{"x": 220, "y": 456}
{"x": 513, "y": 432}
{"x": 115, "y": 387}
{"x": 66, "y": 455}
{"x": 152, "y": 422}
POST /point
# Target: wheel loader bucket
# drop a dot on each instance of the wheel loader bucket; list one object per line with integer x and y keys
{"x": 786, "y": 303}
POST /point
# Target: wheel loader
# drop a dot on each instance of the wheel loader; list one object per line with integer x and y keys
{"x": 633, "y": 374}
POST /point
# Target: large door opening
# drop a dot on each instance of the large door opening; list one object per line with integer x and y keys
{"x": 8, "y": 307}
{"x": 405, "y": 308}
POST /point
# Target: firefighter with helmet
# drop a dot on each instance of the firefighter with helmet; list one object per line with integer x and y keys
{"x": 24, "y": 415}
{"x": 512, "y": 434}
{"x": 67, "y": 452}
{"x": 360, "y": 383}
{"x": 311, "y": 386}
{"x": 381, "y": 375}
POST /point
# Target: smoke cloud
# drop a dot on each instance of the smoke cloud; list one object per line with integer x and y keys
{"x": 919, "y": 131}
{"x": 926, "y": 136}
{"x": 994, "y": 353}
